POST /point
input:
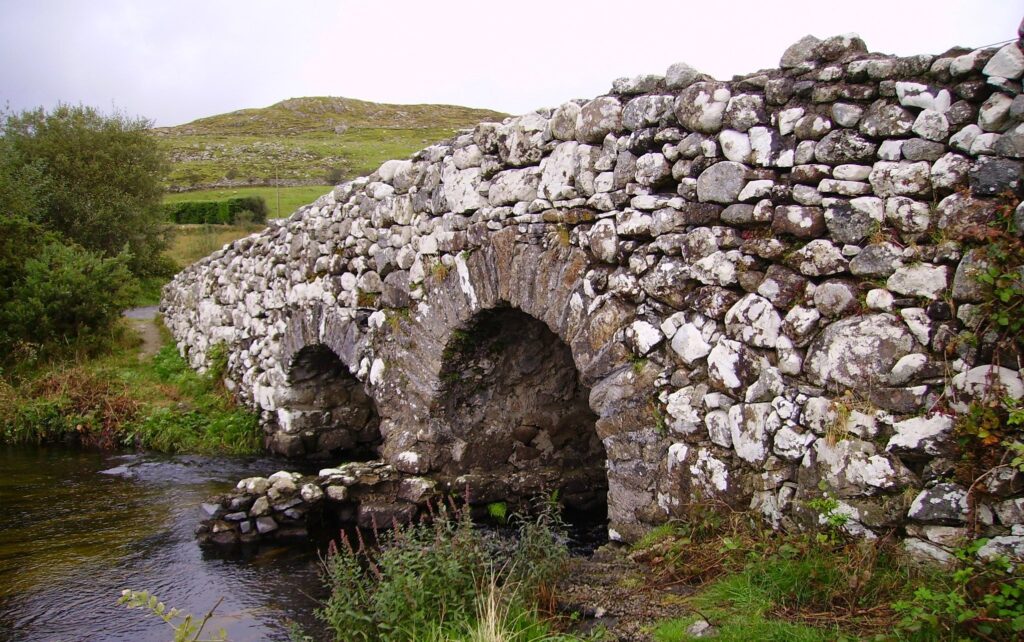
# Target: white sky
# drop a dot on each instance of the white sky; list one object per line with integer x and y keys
{"x": 175, "y": 61}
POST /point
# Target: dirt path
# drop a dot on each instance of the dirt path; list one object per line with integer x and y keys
{"x": 143, "y": 320}
{"x": 612, "y": 591}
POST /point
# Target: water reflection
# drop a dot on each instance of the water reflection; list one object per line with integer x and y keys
{"x": 77, "y": 527}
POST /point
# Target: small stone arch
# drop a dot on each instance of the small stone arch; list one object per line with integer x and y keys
{"x": 322, "y": 409}
{"x": 514, "y": 416}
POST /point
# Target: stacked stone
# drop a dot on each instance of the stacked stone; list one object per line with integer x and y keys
{"x": 285, "y": 505}
{"x": 767, "y": 244}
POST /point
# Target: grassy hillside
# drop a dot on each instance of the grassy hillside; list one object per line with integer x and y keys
{"x": 305, "y": 141}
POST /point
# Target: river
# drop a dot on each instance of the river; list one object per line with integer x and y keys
{"x": 78, "y": 527}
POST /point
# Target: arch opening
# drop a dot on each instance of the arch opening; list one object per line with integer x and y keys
{"x": 325, "y": 412}
{"x": 517, "y": 416}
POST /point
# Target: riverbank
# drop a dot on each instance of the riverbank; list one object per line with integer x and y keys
{"x": 132, "y": 392}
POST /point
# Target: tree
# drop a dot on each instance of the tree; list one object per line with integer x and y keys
{"x": 91, "y": 178}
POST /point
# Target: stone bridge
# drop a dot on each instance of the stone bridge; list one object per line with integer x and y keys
{"x": 686, "y": 291}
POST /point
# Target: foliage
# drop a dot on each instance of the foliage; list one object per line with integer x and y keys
{"x": 437, "y": 580}
{"x": 116, "y": 400}
{"x": 94, "y": 179}
{"x": 186, "y": 630}
{"x": 281, "y": 201}
{"x": 222, "y": 212}
{"x": 979, "y": 600}
{"x": 65, "y": 294}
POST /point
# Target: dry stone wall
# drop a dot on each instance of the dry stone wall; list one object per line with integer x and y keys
{"x": 767, "y": 288}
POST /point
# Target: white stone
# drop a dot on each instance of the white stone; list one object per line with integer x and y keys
{"x": 923, "y": 280}
{"x": 689, "y": 344}
{"x": 645, "y": 336}
{"x": 890, "y": 150}
{"x": 879, "y": 299}
{"x": 756, "y": 190}
{"x": 735, "y": 146}
{"x": 1007, "y": 63}
{"x": 750, "y": 425}
{"x": 921, "y": 435}
{"x": 985, "y": 382}
{"x": 931, "y": 125}
{"x": 604, "y": 242}
{"x": 790, "y": 444}
{"x": 724, "y": 361}
{"x": 907, "y": 367}
{"x": 684, "y": 410}
{"x": 788, "y": 119}
{"x": 376, "y": 372}
{"x": 964, "y": 139}
{"x": 559, "y": 169}
{"x": 719, "y": 430}
{"x": 717, "y": 268}
{"x": 912, "y": 94}
{"x": 985, "y": 144}
{"x": 919, "y": 324}
{"x": 994, "y": 112}
{"x": 754, "y": 321}
{"x": 851, "y": 172}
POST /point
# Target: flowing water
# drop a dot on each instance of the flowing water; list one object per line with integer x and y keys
{"x": 78, "y": 527}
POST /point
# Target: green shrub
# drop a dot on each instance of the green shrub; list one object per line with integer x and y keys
{"x": 94, "y": 179}
{"x": 231, "y": 211}
{"x": 64, "y": 295}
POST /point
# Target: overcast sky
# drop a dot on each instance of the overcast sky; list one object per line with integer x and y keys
{"x": 174, "y": 61}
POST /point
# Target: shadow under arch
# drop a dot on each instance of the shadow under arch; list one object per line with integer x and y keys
{"x": 324, "y": 411}
{"x": 516, "y": 416}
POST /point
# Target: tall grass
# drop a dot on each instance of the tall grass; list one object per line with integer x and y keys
{"x": 443, "y": 579}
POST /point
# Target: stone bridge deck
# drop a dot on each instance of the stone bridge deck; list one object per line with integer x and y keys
{"x": 752, "y": 292}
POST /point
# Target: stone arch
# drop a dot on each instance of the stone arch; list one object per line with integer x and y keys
{"x": 544, "y": 280}
{"x": 322, "y": 409}
{"x": 514, "y": 416}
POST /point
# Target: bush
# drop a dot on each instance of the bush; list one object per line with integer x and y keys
{"x": 64, "y": 295}
{"x": 94, "y": 179}
{"x": 225, "y": 212}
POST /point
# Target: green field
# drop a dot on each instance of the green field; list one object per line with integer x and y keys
{"x": 313, "y": 140}
{"x": 291, "y": 198}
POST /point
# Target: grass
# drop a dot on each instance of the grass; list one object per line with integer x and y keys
{"x": 443, "y": 579}
{"x": 193, "y": 242}
{"x": 753, "y": 584}
{"x": 291, "y": 198}
{"x": 112, "y": 399}
{"x": 306, "y": 140}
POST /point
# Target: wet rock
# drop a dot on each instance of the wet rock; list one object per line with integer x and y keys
{"x": 993, "y": 176}
{"x": 801, "y": 222}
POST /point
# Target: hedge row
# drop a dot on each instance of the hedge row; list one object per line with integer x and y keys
{"x": 223, "y": 212}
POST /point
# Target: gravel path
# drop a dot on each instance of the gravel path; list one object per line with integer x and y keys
{"x": 143, "y": 320}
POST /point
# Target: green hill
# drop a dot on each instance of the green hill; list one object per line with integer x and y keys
{"x": 305, "y": 141}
